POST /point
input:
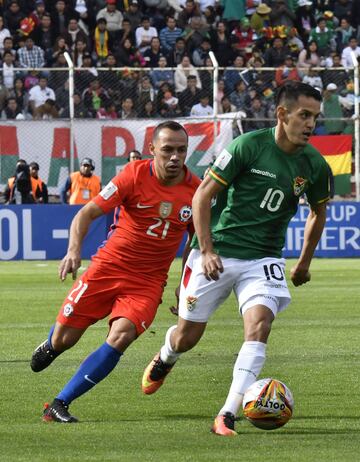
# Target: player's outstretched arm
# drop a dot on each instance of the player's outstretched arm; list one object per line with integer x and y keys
{"x": 78, "y": 230}
{"x": 314, "y": 226}
{"x": 211, "y": 262}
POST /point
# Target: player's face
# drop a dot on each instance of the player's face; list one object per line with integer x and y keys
{"x": 299, "y": 121}
{"x": 169, "y": 150}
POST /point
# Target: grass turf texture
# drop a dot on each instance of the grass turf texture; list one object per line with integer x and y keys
{"x": 313, "y": 348}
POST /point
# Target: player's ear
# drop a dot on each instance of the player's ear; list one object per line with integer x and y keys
{"x": 151, "y": 149}
{"x": 282, "y": 114}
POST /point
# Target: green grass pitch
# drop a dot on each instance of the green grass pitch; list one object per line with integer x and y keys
{"x": 313, "y": 348}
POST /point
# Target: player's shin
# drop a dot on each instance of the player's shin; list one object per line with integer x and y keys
{"x": 167, "y": 354}
{"x": 247, "y": 367}
{"x": 95, "y": 368}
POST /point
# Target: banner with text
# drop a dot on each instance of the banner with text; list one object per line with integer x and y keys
{"x": 40, "y": 232}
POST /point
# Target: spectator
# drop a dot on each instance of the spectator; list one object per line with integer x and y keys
{"x": 207, "y": 78}
{"x": 127, "y": 54}
{"x": 191, "y": 9}
{"x": 30, "y": 55}
{"x": 127, "y": 109}
{"x": 240, "y": 96}
{"x": 62, "y": 97}
{"x": 4, "y": 95}
{"x": 133, "y": 15}
{"x": 148, "y": 111}
{"x": 31, "y": 80}
{"x": 82, "y": 186}
{"x": 153, "y": 53}
{"x": 260, "y": 19}
{"x": 13, "y": 16}
{"x": 190, "y": 95}
{"x": 178, "y": 53}
{"x": 169, "y": 106}
{"x": 243, "y": 37}
{"x": 144, "y": 34}
{"x": 38, "y": 187}
{"x": 286, "y": 72}
{"x": 323, "y": 36}
{"x": 4, "y": 32}
{"x": 80, "y": 111}
{"x": 114, "y": 18}
{"x": 125, "y": 33}
{"x": 342, "y": 77}
{"x": 46, "y": 111}
{"x": 107, "y": 112}
{"x": 294, "y": 42}
{"x": 58, "y": 78}
{"x": 102, "y": 41}
{"x": 20, "y": 94}
{"x": 8, "y": 45}
{"x": 44, "y": 37}
{"x": 346, "y": 59}
{"x": 305, "y": 19}
{"x": 258, "y": 113}
{"x": 194, "y": 33}
{"x": 38, "y": 13}
{"x": 220, "y": 44}
{"x": 233, "y": 12}
{"x": 225, "y": 106}
{"x": 309, "y": 57}
{"x": 80, "y": 49}
{"x": 169, "y": 34}
{"x": 183, "y": 70}
{"x": 275, "y": 55}
{"x": 232, "y": 76}
{"x": 60, "y": 46}
{"x": 202, "y": 109}
{"x": 94, "y": 97}
{"x": 60, "y": 18}
{"x": 159, "y": 76}
{"x": 331, "y": 109}
{"x": 145, "y": 93}
{"x": 342, "y": 9}
{"x": 134, "y": 156}
{"x": 74, "y": 33}
{"x": 39, "y": 94}
{"x": 312, "y": 78}
{"x": 11, "y": 110}
{"x": 8, "y": 70}
{"x": 343, "y": 34}
{"x": 87, "y": 74}
{"x": 201, "y": 52}
{"x": 281, "y": 14}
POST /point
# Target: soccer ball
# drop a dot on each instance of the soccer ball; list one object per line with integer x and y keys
{"x": 268, "y": 404}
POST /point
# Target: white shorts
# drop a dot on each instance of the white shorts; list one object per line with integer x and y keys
{"x": 253, "y": 282}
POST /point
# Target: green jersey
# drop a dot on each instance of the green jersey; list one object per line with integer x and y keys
{"x": 263, "y": 186}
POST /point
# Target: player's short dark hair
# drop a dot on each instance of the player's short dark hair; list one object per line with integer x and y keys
{"x": 290, "y": 92}
{"x": 171, "y": 125}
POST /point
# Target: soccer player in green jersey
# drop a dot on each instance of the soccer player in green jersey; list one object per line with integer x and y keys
{"x": 238, "y": 247}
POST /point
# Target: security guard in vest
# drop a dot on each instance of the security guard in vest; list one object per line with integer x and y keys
{"x": 82, "y": 186}
{"x": 38, "y": 187}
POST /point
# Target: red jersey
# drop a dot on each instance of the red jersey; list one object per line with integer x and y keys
{"x": 153, "y": 219}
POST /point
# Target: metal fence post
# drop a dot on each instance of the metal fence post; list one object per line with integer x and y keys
{"x": 71, "y": 109}
{"x": 356, "y": 125}
{"x": 215, "y": 99}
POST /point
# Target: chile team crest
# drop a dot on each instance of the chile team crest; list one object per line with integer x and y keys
{"x": 299, "y": 185}
{"x": 185, "y": 213}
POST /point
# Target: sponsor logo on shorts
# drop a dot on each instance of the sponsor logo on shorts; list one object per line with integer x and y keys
{"x": 185, "y": 213}
{"x": 191, "y": 302}
{"x": 275, "y": 286}
{"x": 68, "y": 310}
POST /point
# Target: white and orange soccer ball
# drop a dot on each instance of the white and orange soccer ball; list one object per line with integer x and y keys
{"x": 268, "y": 404}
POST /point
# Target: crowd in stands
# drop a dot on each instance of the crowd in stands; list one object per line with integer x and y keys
{"x": 293, "y": 36}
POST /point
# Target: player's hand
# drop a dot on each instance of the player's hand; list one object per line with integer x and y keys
{"x": 299, "y": 276}
{"x": 69, "y": 264}
{"x": 175, "y": 308}
{"x": 212, "y": 266}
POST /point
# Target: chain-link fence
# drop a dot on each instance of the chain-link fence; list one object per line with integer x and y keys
{"x": 114, "y": 111}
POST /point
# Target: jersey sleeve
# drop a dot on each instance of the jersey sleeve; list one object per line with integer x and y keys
{"x": 319, "y": 191}
{"x": 230, "y": 162}
{"x": 116, "y": 192}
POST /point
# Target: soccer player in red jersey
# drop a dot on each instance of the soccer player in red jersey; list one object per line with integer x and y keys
{"x": 126, "y": 277}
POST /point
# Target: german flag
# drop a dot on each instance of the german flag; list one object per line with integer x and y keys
{"x": 337, "y": 152}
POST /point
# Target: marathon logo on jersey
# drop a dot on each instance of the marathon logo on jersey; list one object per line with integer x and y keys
{"x": 299, "y": 185}
{"x": 165, "y": 209}
{"x": 191, "y": 302}
{"x": 68, "y": 310}
{"x": 185, "y": 213}
{"x": 108, "y": 191}
{"x": 223, "y": 159}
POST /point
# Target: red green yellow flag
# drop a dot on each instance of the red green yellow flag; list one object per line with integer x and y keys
{"x": 337, "y": 152}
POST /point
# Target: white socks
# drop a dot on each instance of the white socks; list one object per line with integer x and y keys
{"x": 247, "y": 367}
{"x": 167, "y": 354}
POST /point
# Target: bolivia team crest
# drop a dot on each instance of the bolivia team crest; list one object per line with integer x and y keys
{"x": 299, "y": 185}
{"x": 190, "y": 302}
{"x": 165, "y": 209}
{"x": 185, "y": 213}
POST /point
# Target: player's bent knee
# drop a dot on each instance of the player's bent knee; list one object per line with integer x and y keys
{"x": 65, "y": 337}
{"x": 122, "y": 334}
